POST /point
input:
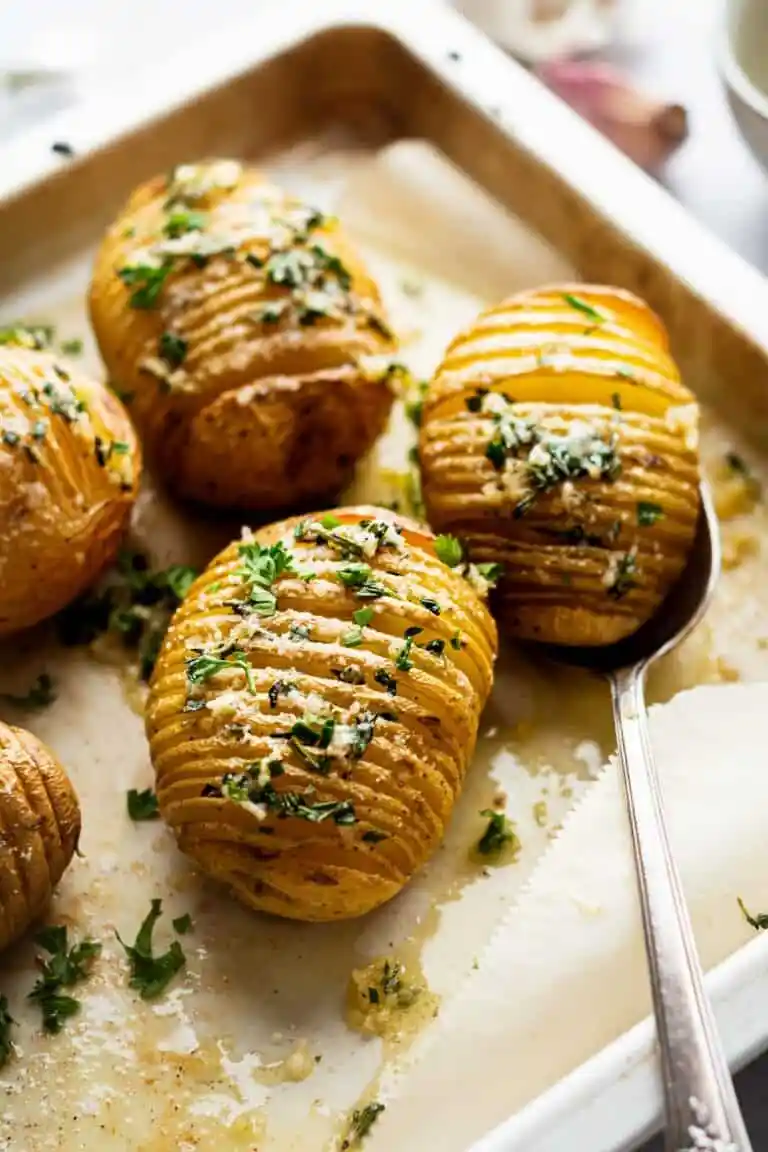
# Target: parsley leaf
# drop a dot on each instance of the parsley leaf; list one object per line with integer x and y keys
{"x": 147, "y": 280}
{"x": 361, "y": 1123}
{"x": 648, "y": 514}
{"x": 582, "y": 306}
{"x": 142, "y": 805}
{"x": 150, "y": 974}
{"x": 449, "y": 550}
{"x": 172, "y": 349}
{"x": 183, "y": 924}
{"x": 203, "y": 667}
{"x": 261, "y": 568}
{"x": 67, "y": 966}
{"x": 41, "y": 694}
{"x": 759, "y": 922}
{"x": 403, "y": 660}
{"x": 500, "y": 831}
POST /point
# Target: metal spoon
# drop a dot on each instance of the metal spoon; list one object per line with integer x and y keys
{"x": 700, "y": 1100}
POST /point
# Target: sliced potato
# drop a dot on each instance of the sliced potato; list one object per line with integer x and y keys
{"x": 558, "y": 440}
{"x": 314, "y": 709}
{"x": 40, "y": 821}
{"x": 69, "y": 474}
{"x": 242, "y": 324}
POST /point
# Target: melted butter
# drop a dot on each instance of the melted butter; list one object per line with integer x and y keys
{"x": 389, "y": 998}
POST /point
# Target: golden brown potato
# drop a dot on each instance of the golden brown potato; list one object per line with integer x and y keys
{"x": 314, "y": 708}
{"x": 39, "y": 825}
{"x": 242, "y": 324}
{"x": 69, "y": 474}
{"x": 558, "y": 440}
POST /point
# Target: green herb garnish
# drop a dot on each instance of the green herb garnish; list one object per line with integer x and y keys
{"x": 500, "y": 831}
{"x": 66, "y": 967}
{"x": 648, "y": 513}
{"x": 150, "y": 974}
{"x": 183, "y": 924}
{"x": 430, "y": 605}
{"x": 582, "y": 306}
{"x": 142, "y": 805}
{"x": 758, "y": 922}
{"x": 623, "y": 579}
{"x": 388, "y": 682}
{"x": 262, "y": 566}
{"x": 363, "y": 1119}
{"x": 245, "y": 788}
{"x": 72, "y": 347}
{"x": 172, "y": 349}
{"x": 147, "y": 281}
{"x": 403, "y": 660}
{"x": 449, "y": 550}
{"x": 203, "y": 667}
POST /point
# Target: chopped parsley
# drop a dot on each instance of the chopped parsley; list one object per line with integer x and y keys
{"x": 6, "y": 1024}
{"x": 616, "y": 401}
{"x": 500, "y": 831}
{"x": 435, "y": 647}
{"x": 150, "y": 974}
{"x": 72, "y": 347}
{"x": 66, "y": 967}
{"x": 430, "y": 605}
{"x": 40, "y": 695}
{"x": 403, "y": 660}
{"x": 456, "y": 642}
{"x": 262, "y": 566}
{"x": 449, "y": 550}
{"x": 388, "y": 682}
{"x": 360, "y": 578}
{"x": 648, "y": 513}
{"x": 363, "y": 1119}
{"x": 182, "y": 924}
{"x": 180, "y": 220}
{"x": 758, "y": 922}
{"x": 310, "y": 737}
{"x": 132, "y": 603}
{"x": 586, "y": 309}
{"x": 202, "y": 667}
{"x": 147, "y": 281}
{"x": 142, "y": 805}
{"x": 172, "y": 349}
{"x": 249, "y": 788}
{"x": 414, "y": 402}
{"x": 622, "y": 575}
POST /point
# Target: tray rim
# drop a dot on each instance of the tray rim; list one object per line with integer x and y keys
{"x": 613, "y": 1100}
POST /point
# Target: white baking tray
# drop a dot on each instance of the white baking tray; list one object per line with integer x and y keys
{"x": 421, "y": 71}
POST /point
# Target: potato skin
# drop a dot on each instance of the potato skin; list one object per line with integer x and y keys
{"x": 69, "y": 474}
{"x": 270, "y": 406}
{"x": 40, "y": 822}
{"x": 405, "y": 780}
{"x": 587, "y": 558}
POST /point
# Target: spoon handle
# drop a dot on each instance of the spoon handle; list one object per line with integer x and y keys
{"x": 699, "y": 1094}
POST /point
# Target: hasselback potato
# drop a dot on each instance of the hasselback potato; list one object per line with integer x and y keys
{"x": 248, "y": 335}
{"x": 314, "y": 708}
{"x": 69, "y": 474}
{"x": 40, "y": 820}
{"x": 558, "y": 440}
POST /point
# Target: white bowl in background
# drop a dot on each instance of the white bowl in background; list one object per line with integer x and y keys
{"x": 744, "y": 67}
